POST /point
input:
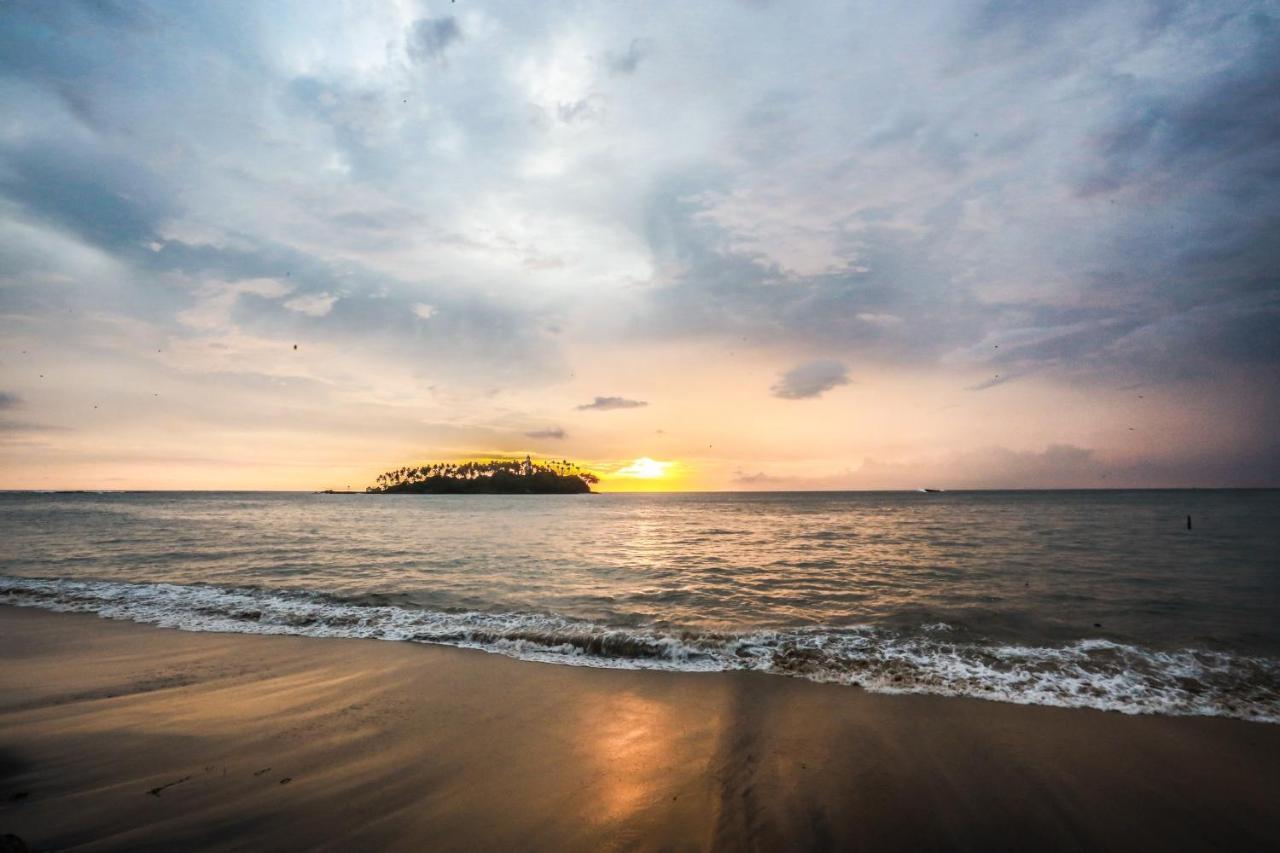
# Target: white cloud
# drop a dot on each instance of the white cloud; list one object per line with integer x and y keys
{"x": 313, "y": 304}
{"x": 215, "y": 300}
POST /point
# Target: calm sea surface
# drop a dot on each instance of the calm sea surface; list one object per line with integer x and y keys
{"x": 1092, "y": 599}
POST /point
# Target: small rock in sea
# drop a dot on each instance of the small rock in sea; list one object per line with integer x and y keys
{"x": 1097, "y": 624}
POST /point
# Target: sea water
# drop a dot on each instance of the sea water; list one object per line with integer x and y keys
{"x": 1096, "y": 599}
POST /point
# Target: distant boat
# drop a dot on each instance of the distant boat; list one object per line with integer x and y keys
{"x": 930, "y": 491}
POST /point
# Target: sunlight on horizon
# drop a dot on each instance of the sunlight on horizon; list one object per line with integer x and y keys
{"x": 645, "y": 468}
{"x": 642, "y": 474}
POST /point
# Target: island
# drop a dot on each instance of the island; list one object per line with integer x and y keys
{"x": 491, "y": 477}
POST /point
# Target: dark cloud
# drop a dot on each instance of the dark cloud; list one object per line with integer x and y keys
{"x": 629, "y": 60}
{"x": 22, "y": 427}
{"x": 606, "y": 404}
{"x": 1226, "y": 124}
{"x": 582, "y": 110}
{"x": 107, "y": 200}
{"x": 555, "y": 433}
{"x": 1065, "y": 466}
{"x": 1162, "y": 256}
{"x": 899, "y": 274}
{"x": 429, "y": 38}
{"x": 1058, "y": 466}
{"x": 998, "y": 379}
{"x": 1028, "y": 21}
{"x": 812, "y": 379}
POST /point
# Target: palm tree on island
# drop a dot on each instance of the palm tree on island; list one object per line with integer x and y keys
{"x": 492, "y": 477}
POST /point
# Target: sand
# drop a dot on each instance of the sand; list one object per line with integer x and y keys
{"x": 115, "y": 736}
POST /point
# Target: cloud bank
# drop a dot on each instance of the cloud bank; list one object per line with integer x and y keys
{"x": 470, "y": 222}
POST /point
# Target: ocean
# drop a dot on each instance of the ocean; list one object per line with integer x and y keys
{"x": 1091, "y": 599}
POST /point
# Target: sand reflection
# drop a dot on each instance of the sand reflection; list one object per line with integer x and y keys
{"x": 631, "y": 744}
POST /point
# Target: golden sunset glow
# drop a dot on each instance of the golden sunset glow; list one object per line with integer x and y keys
{"x": 645, "y": 468}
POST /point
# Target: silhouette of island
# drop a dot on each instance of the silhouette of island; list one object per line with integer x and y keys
{"x": 495, "y": 477}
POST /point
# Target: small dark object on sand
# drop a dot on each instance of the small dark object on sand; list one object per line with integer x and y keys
{"x": 295, "y": 346}
{"x": 260, "y": 772}
{"x": 286, "y": 780}
{"x": 12, "y": 844}
{"x": 1097, "y": 624}
{"x": 155, "y": 792}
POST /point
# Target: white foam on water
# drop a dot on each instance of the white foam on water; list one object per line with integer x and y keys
{"x": 1089, "y": 673}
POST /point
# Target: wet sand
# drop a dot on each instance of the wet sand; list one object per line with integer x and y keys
{"x": 115, "y": 736}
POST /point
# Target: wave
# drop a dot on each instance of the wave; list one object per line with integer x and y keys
{"x": 1089, "y": 673}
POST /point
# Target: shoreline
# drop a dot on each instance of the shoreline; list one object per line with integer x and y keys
{"x": 1096, "y": 672}
{"x": 115, "y": 735}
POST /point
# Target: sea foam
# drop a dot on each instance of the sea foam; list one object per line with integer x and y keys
{"x": 1091, "y": 673}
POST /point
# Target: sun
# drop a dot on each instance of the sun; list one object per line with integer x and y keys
{"x": 644, "y": 468}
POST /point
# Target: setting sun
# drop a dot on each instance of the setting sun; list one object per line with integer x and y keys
{"x": 645, "y": 468}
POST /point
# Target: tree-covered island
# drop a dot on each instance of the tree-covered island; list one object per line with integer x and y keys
{"x": 493, "y": 477}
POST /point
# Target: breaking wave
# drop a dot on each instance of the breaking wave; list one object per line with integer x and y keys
{"x": 1091, "y": 673}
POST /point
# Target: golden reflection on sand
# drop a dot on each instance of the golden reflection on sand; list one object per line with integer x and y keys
{"x": 631, "y": 742}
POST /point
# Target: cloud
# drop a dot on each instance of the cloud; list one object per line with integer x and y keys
{"x": 1082, "y": 196}
{"x": 812, "y": 379}
{"x": 1056, "y": 466}
{"x": 106, "y": 198}
{"x": 627, "y": 61}
{"x": 998, "y": 379}
{"x": 1065, "y": 466}
{"x": 313, "y": 305}
{"x": 759, "y": 478}
{"x": 582, "y": 110}
{"x": 20, "y": 432}
{"x": 429, "y": 38}
{"x": 606, "y": 404}
{"x": 10, "y": 400}
{"x": 550, "y": 432}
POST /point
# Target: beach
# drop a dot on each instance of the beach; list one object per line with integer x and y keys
{"x": 120, "y": 736}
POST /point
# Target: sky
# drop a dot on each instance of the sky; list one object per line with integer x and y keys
{"x": 714, "y": 245}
